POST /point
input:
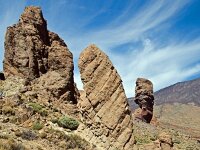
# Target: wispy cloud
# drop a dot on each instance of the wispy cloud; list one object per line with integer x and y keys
{"x": 147, "y": 18}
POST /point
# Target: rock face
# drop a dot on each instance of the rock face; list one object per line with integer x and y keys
{"x": 31, "y": 51}
{"x": 103, "y": 103}
{"x": 144, "y": 98}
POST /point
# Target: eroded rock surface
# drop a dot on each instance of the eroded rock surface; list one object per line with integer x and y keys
{"x": 103, "y": 103}
{"x": 31, "y": 52}
{"x": 144, "y": 98}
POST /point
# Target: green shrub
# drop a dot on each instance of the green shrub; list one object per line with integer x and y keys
{"x": 37, "y": 126}
{"x": 37, "y": 108}
{"x": 68, "y": 123}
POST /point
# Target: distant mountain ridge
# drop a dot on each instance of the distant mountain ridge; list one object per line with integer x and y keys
{"x": 181, "y": 92}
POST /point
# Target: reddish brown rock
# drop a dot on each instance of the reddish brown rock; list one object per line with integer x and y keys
{"x": 103, "y": 105}
{"x": 26, "y": 42}
{"x": 31, "y": 51}
{"x": 144, "y": 98}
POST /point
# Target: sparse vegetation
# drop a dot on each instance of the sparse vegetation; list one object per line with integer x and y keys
{"x": 142, "y": 139}
{"x": 68, "y": 123}
{"x": 74, "y": 141}
{"x": 37, "y": 108}
{"x": 37, "y": 125}
{"x": 144, "y": 133}
{"x": 68, "y": 141}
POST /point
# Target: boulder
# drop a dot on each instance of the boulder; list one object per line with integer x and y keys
{"x": 32, "y": 51}
{"x": 103, "y": 105}
{"x": 144, "y": 98}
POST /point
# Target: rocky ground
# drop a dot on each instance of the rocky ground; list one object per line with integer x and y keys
{"x": 26, "y": 124}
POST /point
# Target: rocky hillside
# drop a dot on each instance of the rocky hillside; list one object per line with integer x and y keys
{"x": 182, "y": 92}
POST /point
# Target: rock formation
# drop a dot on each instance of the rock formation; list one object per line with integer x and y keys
{"x": 103, "y": 103}
{"x": 144, "y": 98}
{"x": 31, "y": 51}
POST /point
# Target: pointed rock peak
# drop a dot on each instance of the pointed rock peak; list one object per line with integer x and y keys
{"x": 32, "y": 15}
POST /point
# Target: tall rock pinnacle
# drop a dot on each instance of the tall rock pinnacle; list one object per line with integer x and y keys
{"x": 103, "y": 103}
{"x": 32, "y": 51}
{"x": 144, "y": 98}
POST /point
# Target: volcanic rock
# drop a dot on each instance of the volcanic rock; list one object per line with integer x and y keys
{"x": 103, "y": 105}
{"x": 31, "y": 51}
{"x": 144, "y": 98}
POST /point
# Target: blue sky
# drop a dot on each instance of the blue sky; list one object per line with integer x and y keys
{"x": 155, "y": 39}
